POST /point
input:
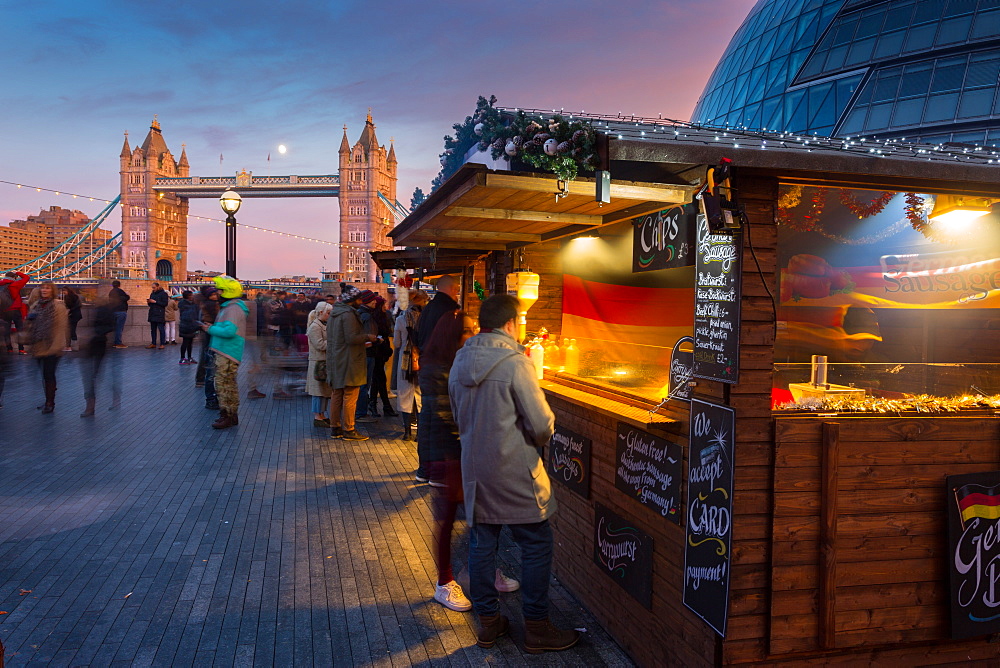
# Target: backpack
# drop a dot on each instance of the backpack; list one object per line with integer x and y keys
{"x": 6, "y": 300}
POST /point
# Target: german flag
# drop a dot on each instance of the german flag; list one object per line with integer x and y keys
{"x": 978, "y": 501}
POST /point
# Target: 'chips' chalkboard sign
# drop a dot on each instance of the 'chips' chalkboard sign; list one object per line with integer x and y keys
{"x": 648, "y": 469}
{"x": 717, "y": 292}
{"x": 624, "y": 553}
{"x": 974, "y": 553}
{"x": 569, "y": 460}
{"x": 665, "y": 239}
{"x": 709, "y": 513}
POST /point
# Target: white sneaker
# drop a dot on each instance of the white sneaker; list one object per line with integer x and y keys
{"x": 450, "y": 595}
{"x": 505, "y": 584}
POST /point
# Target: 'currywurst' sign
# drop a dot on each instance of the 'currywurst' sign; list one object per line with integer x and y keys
{"x": 623, "y": 553}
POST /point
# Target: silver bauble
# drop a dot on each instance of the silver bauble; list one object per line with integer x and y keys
{"x": 510, "y": 149}
{"x": 550, "y": 146}
{"x": 478, "y": 129}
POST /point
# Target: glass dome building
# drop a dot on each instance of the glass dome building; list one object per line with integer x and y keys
{"x": 926, "y": 70}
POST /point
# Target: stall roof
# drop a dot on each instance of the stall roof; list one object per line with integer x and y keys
{"x": 658, "y": 163}
{"x": 681, "y": 150}
{"x": 433, "y": 261}
{"x": 487, "y": 210}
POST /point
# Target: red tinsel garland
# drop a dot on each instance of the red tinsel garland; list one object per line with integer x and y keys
{"x": 862, "y": 210}
{"x": 915, "y": 212}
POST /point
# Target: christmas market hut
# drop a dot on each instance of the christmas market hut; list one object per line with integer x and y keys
{"x": 773, "y": 364}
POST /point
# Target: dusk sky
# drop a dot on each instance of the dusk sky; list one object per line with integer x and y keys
{"x": 238, "y": 79}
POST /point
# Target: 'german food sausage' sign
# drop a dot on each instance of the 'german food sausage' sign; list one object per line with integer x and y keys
{"x": 974, "y": 553}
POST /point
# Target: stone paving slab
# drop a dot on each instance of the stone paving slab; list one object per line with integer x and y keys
{"x": 141, "y": 537}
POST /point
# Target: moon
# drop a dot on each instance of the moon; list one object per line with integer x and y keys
{"x": 281, "y": 148}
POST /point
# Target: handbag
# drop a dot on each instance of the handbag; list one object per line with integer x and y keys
{"x": 319, "y": 371}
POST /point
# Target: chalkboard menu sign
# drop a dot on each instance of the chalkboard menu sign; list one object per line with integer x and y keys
{"x": 569, "y": 460}
{"x": 624, "y": 553}
{"x": 717, "y": 291}
{"x": 973, "y": 553}
{"x": 709, "y": 513}
{"x": 681, "y": 370}
{"x": 665, "y": 239}
{"x": 648, "y": 469}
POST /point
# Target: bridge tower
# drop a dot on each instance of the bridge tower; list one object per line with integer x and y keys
{"x": 154, "y": 225}
{"x": 366, "y": 169}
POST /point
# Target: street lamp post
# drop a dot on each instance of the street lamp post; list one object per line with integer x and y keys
{"x": 230, "y": 202}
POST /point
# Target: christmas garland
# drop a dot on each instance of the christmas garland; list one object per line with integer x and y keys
{"x": 915, "y": 213}
{"x": 555, "y": 144}
{"x": 861, "y": 210}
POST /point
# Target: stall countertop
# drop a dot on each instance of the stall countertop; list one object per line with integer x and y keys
{"x": 607, "y": 406}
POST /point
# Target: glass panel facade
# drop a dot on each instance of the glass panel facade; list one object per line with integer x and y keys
{"x": 927, "y": 70}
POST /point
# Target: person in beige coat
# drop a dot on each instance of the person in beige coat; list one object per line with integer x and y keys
{"x": 172, "y": 315}
{"x": 319, "y": 390}
{"x": 407, "y": 389}
{"x": 48, "y": 322}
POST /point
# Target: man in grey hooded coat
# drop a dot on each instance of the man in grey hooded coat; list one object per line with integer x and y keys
{"x": 503, "y": 419}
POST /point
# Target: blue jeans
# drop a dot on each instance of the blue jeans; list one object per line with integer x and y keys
{"x": 210, "y": 396}
{"x": 362, "y": 408}
{"x": 535, "y": 541}
{"x": 120, "y": 317}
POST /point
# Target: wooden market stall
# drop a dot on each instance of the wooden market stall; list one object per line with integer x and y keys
{"x": 829, "y": 541}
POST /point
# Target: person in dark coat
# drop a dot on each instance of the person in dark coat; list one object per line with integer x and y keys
{"x": 157, "y": 317}
{"x": 118, "y": 300}
{"x": 382, "y": 352}
{"x": 189, "y": 325}
{"x": 366, "y": 313}
{"x": 444, "y": 302}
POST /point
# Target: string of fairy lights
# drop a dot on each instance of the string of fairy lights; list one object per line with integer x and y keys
{"x": 338, "y": 244}
{"x": 630, "y": 126}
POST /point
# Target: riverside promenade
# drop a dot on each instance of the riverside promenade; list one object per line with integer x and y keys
{"x": 142, "y": 537}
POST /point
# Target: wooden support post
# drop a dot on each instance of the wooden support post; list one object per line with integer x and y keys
{"x": 828, "y": 537}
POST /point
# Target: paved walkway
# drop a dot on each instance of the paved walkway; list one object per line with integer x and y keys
{"x": 143, "y": 537}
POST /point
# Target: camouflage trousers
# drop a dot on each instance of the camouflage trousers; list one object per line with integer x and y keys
{"x": 225, "y": 384}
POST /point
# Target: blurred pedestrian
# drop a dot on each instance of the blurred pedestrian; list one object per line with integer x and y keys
{"x": 407, "y": 388}
{"x": 227, "y": 339}
{"x": 118, "y": 300}
{"x": 346, "y": 342}
{"x": 206, "y": 366}
{"x": 48, "y": 324}
{"x": 94, "y": 351}
{"x": 157, "y": 302}
{"x": 75, "y": 308}
{"x": 170, "y": 316}
{"x": 444, "y": 302}
{"x": 444, "y": 451}
{"x": 189, "y": 325}
{"x": 318, "y": 389}
{"x": 5, "y": 355}
{"x": 13, "y": 310}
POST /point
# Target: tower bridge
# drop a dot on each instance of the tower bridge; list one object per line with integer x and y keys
{"x": 156, "y": 188}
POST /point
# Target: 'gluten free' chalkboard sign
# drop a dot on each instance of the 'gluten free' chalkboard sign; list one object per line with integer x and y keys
{"x": 709, "y": 513}
{"x": 569, "y": 460}
{"x": 717, "y": 291}
{"x": 624, "y": 553}
{"x": 648, "y": 469}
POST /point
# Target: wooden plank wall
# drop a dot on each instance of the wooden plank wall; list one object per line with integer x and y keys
{"x": 668, "y": 634}
{"x": 889, "y": 589}
{"x": 542, "y": 259}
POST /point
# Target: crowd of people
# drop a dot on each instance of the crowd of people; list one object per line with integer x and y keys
{"x": 465, "y": 388}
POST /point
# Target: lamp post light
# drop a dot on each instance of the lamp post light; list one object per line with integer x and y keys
{"x": 230, "y": 203}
